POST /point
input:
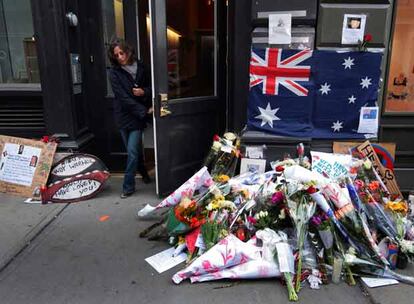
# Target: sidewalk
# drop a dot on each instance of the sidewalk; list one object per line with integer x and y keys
{"x": 78, "y": 259}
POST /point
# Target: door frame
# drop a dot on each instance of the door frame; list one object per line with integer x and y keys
{"x": 158, "y": 38}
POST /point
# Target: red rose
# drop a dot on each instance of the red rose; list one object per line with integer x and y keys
{"x": 45, "y": 139}
{"x": 311, "y": 190}
{"x": 280, "y": 169}
{"x": 216, "y": 137}
{"x": 368, "y": 37}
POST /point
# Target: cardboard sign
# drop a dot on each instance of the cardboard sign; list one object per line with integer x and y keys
{"x": 384, "y": 151}
{"x": 76, "y": 177}
{"x": 78, "y": 188}
{"x": 387, "y": 175}
{"x": 24, "y": 165}
{"x": 75, "y": 164}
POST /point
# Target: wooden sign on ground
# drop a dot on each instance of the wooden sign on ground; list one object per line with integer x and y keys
{"x": 24, "y": 165}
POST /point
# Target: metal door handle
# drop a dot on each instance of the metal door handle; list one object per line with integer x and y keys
{"x": 164, "y": 111}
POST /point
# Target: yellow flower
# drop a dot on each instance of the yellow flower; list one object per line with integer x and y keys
{"x": 400, "y": 206}
{"x": 223, "y": 178}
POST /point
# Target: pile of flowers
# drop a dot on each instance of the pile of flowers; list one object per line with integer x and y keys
{"x": 298, "y": 222}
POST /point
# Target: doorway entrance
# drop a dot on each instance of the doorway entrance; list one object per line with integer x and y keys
{"x": 184, "y": 44}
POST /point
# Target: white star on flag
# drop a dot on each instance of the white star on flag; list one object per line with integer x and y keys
{"x": 366, "y": 82}
{"x": 351, "y": 99}
{"x": 267, "y": 115}
{"x": 325, "y": 88}
{"x": 337, "y": 126}
{"x": 348, "y": 63}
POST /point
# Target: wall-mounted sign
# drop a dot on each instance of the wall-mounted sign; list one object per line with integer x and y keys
{"x": 280, "y": 28}
{"x": 353, "y": 28}
{"x": 24, "y": 165}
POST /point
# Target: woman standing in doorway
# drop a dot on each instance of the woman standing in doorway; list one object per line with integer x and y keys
{"x": 132, "y": 89}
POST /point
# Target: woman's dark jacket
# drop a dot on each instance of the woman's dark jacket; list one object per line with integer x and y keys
{"x": 130, "y": 111}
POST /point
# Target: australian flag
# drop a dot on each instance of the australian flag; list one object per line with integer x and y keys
{"x": 317, "y": 94}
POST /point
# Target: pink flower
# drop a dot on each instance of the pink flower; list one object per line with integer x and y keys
{"x": 208, "y": 182}
{"x": 277, "y": 197}
{"x": 359, "y": 184}
{"x": 251, "y": 220}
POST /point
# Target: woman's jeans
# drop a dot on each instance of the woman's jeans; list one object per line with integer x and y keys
{"x": 133, "y": 143}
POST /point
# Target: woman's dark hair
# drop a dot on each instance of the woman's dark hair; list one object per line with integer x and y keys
{"x": 125, "y": 47}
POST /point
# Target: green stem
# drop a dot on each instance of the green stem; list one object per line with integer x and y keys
{"x": 299, "y": 271}
{"x": 350, "y": 276}
{"x": 293, "y": 296}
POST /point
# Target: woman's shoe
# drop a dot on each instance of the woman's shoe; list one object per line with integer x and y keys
{"x": 146, "y": 179}
{"x": 126, "y": 194}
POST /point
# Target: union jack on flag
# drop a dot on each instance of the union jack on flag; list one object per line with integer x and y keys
{"x": 313, "y": 94}
{"x": 273, "y": 71}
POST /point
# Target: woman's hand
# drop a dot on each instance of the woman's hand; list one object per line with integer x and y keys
{"x": 138, "y": 92}
{"x": 150, "y": 110}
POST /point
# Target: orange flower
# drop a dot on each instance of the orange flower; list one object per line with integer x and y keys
{"x": 374, "y": 186}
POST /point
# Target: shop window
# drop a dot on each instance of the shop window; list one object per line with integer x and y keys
{"x": 113, "y": 27}
{"x": 400, "y": 89}
{"x": 191, "y": 48}
{"x": 18, "y": 56}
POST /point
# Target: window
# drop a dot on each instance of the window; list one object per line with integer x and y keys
{"x": 113, "y": 27}
{"x": 191, "y": 48}
{"x": 400, "y": 89}
{"x": 18, "y": 56}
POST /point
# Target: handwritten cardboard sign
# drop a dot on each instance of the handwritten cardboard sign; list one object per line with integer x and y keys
{"x": 343, "y": 147}
{"x": 387, "y": 175}
{"x": 75, "y": 164}
{"x": 24, "y": 165}
{"x": 76, "y": 177}
{"x": 78, "y": 188}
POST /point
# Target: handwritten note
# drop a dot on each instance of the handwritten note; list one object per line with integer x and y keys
{"x": 165, "y": 260}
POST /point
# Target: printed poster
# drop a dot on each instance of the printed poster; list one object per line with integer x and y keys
{"x": 18, "y": 163}
{"x": 280, "y": 29}
{"x": 368, "y": 120}
{"x": 353, "y": 28}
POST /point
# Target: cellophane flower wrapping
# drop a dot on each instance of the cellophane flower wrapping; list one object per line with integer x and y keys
{"x": 227, "y": 253}
{"x": 201, "y": 179}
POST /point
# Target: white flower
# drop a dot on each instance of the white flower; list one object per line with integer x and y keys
{"x": 229, "y": 136}
{"x": 407, "y": 246}
{"x": 350, "y": 258}
{"x": 216, "y": 145}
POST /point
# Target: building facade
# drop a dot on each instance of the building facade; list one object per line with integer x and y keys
{"x": 53, "y": 71}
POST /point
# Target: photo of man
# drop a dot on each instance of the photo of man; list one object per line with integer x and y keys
{"x": 354, "y": 23}
{"x": 33, "y": 161}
